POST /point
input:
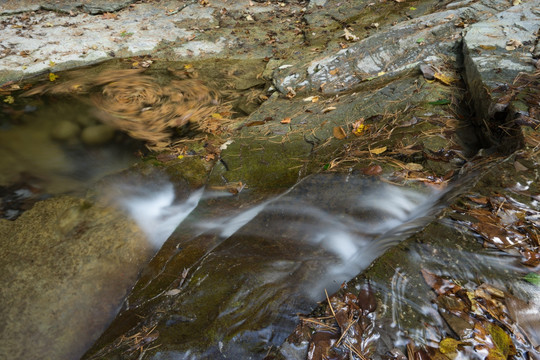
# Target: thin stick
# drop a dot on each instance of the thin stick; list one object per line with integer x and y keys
{"x": 344, "y": 333}
{"x": 329, "y": 303}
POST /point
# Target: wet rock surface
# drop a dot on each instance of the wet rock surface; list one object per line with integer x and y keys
{"x": 403, "y": 92}
{"x": 60, "y": 282}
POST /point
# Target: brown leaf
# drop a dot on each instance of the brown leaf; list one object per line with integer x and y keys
{"x": 328, "y": 109}
{"x": 339, "y": 133}
{"x": 287, "y": 120}
{"x": 372, "y": 170}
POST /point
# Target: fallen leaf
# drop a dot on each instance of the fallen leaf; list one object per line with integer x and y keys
{"x": 378, "y": 150}
{"x": 9, "y": 99}
{"x": 519, "y": 167}
{"x": 516, "y": 2}
{"x": 413, "y": 167}
{"x": 488, "y": 47}
{"x": 440, "y": 102}
{"x": 109, "y": 15}
{"x": 334, "y": 72}
{"x": 51, "y": 63}
{"x": 217, "y": 116}
{"x": 372, "y": 170}
{"x": 284, "y": 66}
{"x": 339, "y": 133}
{"x": 420, "y": 40}
{"x": 287, "y": 120}
{"x": 328, "y": 109}
{"x": 358, "y": 127}
{"x": 52, "y": 77}
{"x": 349, "y": 36}
{"x": 312, "y": 99}
{"x": 449, "y": 346}
{"x": 513, "y": 44}
{"x": 173, "y": 292}
{"x": 445, "y": 79}
{"x": 533, "y": 278}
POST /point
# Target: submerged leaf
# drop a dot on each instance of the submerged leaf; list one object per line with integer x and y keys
{"x": 533, "y": 278}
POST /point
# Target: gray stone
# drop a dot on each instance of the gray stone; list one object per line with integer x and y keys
{"x": 90, "y": 6}
{"x": 387, "y": 53}
{"x": 488, "y": 61}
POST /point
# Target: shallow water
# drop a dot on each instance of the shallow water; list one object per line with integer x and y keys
{"x": 260, "y": 265}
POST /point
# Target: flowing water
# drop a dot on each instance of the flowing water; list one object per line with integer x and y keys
{"x": 235, "y": 270}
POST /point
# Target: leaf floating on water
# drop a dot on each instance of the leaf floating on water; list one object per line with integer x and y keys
{"x": 449, "y": 346}
{"x": 53, "y": 77}
{"x": 339, "y": 133}
{"x": 440, "y": 102}
{"x": 378, "y": 151}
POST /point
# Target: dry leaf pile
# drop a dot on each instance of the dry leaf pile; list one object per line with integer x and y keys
{"x": 145, "y": 109}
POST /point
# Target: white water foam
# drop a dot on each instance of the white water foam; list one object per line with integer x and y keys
{"x": 155, "y": 210}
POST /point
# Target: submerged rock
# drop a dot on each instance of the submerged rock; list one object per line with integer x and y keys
{"x": 66, "y": 265}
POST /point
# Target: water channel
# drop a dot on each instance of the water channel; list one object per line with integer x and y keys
{"x": 240, "y": 267}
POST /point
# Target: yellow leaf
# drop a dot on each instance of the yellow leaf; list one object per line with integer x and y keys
{"x": 449, "y": 346}
{"x": 488, "y": 47}
{"x": 339, "y": 133}
{"x": 516, "y": 2}
{"x": 52, "y": 77}
{"x": 217, "y": 116}
{"x": 413, "y": 167}
{"x": 359, "y": 127}
{"x": 188, "y": 66}
{"x": 445, "y": 79}
{"x": 51, "y": 63}
{"x": 378, "y": 150}
{"x": 9, "y": 99}
{"x": 180, "y": 156}
{"x": 381, "y": 73}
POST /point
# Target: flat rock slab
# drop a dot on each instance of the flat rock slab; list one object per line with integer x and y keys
{"x": 497, "y": 50}
{"x": 90, "y": 6}
{"x": 393, "y": 51}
